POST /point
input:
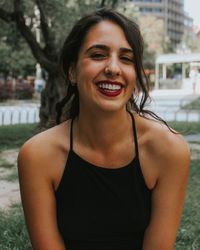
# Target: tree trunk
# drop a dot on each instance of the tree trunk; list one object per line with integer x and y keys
{"x": 54, "y": 91}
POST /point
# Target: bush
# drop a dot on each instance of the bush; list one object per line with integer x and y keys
{"x": 19, "y": 89}
{"x": 23, "y": 90}
{"x": 6, "y": 90}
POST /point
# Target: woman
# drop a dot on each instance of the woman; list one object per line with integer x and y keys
{"x": 111, "y": 175}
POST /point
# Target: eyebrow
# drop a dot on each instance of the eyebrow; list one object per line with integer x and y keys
{"x": 106, "y": 48}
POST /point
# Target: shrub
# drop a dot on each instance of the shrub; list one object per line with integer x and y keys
{"x": 23, "y": 90}
{"x": 6, "y": 90}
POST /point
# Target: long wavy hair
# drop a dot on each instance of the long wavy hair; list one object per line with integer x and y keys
{"x": 69, "y": 56}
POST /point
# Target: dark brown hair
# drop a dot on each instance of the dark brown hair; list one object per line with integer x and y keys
{"x": 69, "y": 56}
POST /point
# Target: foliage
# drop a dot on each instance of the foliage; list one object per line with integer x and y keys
{"x": 6, "y": 91}
{"x": 16, "y": 57}
{"x": 154, "y": 36}
{"x": 23, "y": 91}
{"x": 17, "y": 89}
{"x": 129, "y": 9}
{"x": 60, "y": 16}
{"x": 149, "y": 57}
{"x": 191, "y": 42}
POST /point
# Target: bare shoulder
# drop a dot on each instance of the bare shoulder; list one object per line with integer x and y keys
{"x": 45, "y": 152}
{"x": 46, "y": 142}
{"x": 161, "y": 150}
{"x": 159, "y": 140}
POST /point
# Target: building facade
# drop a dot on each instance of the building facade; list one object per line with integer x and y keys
{"x": 171, "y": 11}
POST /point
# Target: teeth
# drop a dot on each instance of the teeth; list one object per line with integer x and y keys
{"x": 109, "y": 86}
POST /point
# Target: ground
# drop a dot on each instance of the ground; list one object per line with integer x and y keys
{"x": 9, "y": 186}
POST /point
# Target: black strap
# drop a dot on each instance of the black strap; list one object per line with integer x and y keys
{"x": 71, "y": 135}
{"x": 135, "y": 134}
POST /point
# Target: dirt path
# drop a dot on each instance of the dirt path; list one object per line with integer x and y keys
{"x": 9, "y": 186}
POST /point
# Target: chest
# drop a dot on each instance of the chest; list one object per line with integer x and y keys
{"x": 100, "y": 202}
{"x": 113, "y": 157}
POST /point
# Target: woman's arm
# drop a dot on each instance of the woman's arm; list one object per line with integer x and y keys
{"x": 172, "y": 160}
{"x": 37, "y": 193}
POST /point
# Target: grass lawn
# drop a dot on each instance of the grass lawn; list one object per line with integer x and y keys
{"x": 189, "y": 234}
{"x": 13, "y": 136}
{"x": 14, "y": 236}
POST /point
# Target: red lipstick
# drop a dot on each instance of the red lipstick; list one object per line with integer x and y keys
{"x": 110, "y": 88}
{"x": 109, "y": 93}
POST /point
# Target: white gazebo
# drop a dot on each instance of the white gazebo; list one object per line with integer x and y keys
{"x": 165, "y": 60}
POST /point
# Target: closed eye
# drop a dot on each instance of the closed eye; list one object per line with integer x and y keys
{"x": 127, "y": 59}
{"x": 98, "y": 56}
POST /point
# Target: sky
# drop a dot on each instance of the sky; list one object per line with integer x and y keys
{"x": 192, "y": 7}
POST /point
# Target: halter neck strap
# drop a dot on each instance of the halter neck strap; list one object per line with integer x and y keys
{"x": 134, "y": 133}
{"x": 71, "y": 134}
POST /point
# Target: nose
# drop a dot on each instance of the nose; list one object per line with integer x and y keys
{"x": 112, "y": 67}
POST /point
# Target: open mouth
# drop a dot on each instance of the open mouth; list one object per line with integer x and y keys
{"x": 110, "y": 89}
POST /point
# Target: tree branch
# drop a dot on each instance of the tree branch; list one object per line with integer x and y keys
{"x": 102, "y": 4}
{"x": 114, "y": 3}
{"x": 6, "y": 16}
{"x": 30, "y": 39}
{"x": 44, "y": 27}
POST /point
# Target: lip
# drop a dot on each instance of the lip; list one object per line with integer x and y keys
{"x": 110, "y": 93}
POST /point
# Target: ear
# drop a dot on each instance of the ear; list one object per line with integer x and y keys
{"x": 72, "y": 74}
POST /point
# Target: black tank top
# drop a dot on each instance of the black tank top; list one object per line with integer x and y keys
{"x": 99, "y": 208}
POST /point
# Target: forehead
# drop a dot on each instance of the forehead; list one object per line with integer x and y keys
{"x": 108, "y": 33}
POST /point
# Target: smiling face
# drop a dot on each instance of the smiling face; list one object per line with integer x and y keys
{"x": 105, "y": 73}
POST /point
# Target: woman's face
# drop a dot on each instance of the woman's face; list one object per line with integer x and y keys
{"x": 105, "y": 73}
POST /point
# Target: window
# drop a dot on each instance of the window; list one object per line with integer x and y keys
{"x": 157, "y": 10}
{"x": 146, "y": 10}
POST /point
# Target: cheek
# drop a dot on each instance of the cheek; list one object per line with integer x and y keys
{"x": 88, "y": 70}
{"x": 131, "y": 75}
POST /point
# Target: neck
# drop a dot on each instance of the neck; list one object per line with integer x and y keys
{"x": 103, "y": 130}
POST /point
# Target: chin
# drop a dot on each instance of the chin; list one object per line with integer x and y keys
{"x": 112, "y": 107}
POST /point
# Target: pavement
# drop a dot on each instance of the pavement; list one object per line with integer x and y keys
{"x": 192, "y": 138}
{"x": 169, "y": 103}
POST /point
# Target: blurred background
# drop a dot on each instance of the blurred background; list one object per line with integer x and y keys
{"x": 31, "y": 35}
